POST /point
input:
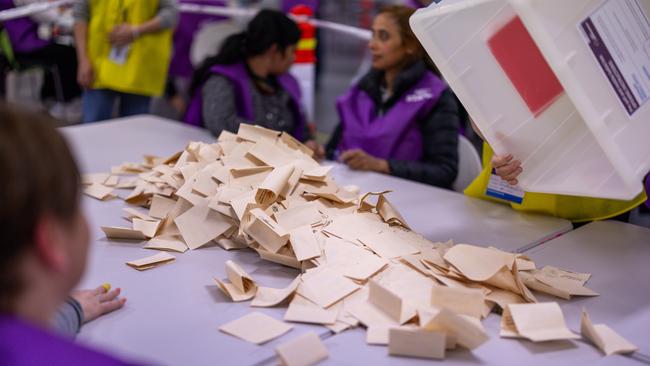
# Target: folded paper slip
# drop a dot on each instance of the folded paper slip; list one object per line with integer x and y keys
{"x": 294, "y": 217}
{"x": 467, "y": 331}
{"x": 152, "y": 261}
{"x": 389, "y": 303}
{"x": 99, "y": 191}
{"x": 459, "y": 300}
{"x": 148, "y": 228}
{"x": 476, "y": 263}
{"x": 318, "y": 174}
{"x": 200, "y": 225}
{"x": 167, "y": 243}
{"x": 123, "y": 233}
{"x": 304, "y": 350}
{"x": 302, "y": 310}
{"x": 556, "y": 286}
{"x": 130, "y": 213}
{"x": 388, "y": 245}
{"x": 256, "y": 328}
{"x": 160, "y": 206}
{"x": 304, "y": 243}
{"x": 604, "y": 337}
{"x": 327, "y": 287}
{"x": 274, "y": 183}
{"x": 268, "y": 233}
{"x": 416, "y": 343}
{"x": 241, "y": 286}
{"x": 537, "y": 322}
{"x": 267, "y": 297}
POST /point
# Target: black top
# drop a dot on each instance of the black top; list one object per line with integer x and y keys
{"x": 439, "y": 163}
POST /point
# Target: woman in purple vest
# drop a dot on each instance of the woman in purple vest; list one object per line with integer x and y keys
{"x": 43, "y": 242}
{"x": 400, "y": 118}
{"x": 248, "y": 80}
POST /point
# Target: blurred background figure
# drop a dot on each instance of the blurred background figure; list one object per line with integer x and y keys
{"x": 248, "y": 80}
{"x": 33, "y": 42}
{"x": 116, "y": 44}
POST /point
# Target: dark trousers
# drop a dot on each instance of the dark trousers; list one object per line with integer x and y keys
{"x": 64, "y": 58}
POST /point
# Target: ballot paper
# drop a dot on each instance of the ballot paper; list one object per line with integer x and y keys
{"x": 268, "y": 233}
{"x": 123, "y": 233}
{"x": 174, "y": 244}
{"x": 256, "y": 328}
{"x": 459, "y": 300}
{"x": 318, "y": 174}
{"x": 304, "y": 350}
{"x": 274, "y": 183}
{"x": 467, "y": 331}
{"x": 303, "y": 310}
{"x": 297, "y": 216}
{"x": 241, "y": 286}
{"x": 151, "y": 261}
{"x": 148, "y": 228}
{"x": 537, "y": 322}
{"x": 388, "y": 245}
{"x": 604, "y": 337}
{"x": 326, "y": 287}
{"x": 416, "y": 343}
{"x": 267, "y": 297}
{"x": 557, "y": 286}
{"x": 131, "y": 213}
{"x": 256, "y": 133}
{"x": 200, "y": 225}
{"x": 99, "y": 191}
{"x": 160, "y": 206}
{"x": 304, "y": 244}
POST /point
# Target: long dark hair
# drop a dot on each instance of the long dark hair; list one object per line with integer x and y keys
{"x": 267, "y": 28}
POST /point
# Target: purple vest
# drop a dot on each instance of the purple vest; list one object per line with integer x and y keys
{"x": 24, "y": 345}
{"x": 396, "y": 134}
{"x": 188, "y": 25}
{"x": 287, "y": 5}
{"x": 238, "y": 75}
{"x": 22, "y": 32}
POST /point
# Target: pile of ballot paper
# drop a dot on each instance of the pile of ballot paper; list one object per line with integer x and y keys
{"x": 359, "y": 262}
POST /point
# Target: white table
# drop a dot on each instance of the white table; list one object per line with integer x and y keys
{"x": 173, "y": 312}
{"x": 614, "y": 252}
{"x": 617, "y": 255}
{"x": 440, "y": 214}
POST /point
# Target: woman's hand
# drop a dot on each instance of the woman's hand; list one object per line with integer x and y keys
{"x": 507, "y": 168}
{"x": 358, "y": 159}
{"x": 98, "y": 302}
{"x": 85, "y": 74}
{"x": 122, "y": 35}
{"x": 319, "y": 151}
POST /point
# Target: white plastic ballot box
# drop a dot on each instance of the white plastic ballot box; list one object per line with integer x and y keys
{"x": 563, "y": 85}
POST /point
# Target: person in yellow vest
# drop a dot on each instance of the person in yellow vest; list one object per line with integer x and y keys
{"x": 124, "y": 49}
{"x": 498, "y": 182}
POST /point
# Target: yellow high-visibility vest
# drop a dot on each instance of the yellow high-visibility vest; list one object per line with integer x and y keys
{"x": 574, "y": 208}
{"x": 145, "y": 68}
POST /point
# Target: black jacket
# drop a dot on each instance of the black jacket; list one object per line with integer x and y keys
{"x": 439, "y": 163}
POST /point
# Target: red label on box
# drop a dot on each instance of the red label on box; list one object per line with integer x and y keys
{"x": 523, "y": 63}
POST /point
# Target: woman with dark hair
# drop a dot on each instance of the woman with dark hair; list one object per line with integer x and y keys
{"x": 248, "y": 80}
{"x": 400, "y": 118}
